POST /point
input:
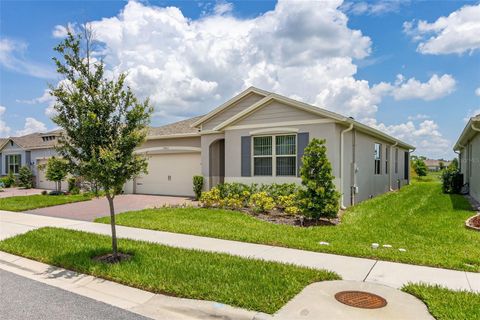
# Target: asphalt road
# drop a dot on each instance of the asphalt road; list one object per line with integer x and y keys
{"x": 22, "y": 298}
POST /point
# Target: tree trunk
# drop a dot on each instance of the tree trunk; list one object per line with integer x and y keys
{"x": 112, "y": 224}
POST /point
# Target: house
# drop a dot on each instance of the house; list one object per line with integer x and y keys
{"x": 259, "y": 137}
{"x": 468, "y": 149}
{"x": 436, "y": 165}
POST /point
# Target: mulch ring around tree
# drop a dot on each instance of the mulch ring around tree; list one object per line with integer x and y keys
{"x": 277, "y": 217}
{"x": 474, "y": 222}
{"x": 110, "y": 258}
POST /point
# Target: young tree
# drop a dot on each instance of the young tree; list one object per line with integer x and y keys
{"x": 441, "y": 165}
{"x": 454, "y": 164}
{"x": 57, "y": 170}
{"x": 25, "y": 177}
{"x": 420, "y": 167}
{"x": 103, "y": 122}
{"x": 320, "y": 198}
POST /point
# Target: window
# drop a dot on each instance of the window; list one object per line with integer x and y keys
{"x": 387, "y": 158}
{"x": 396, "y": 160}
{"x": 12, "y": 163}
{"x": 406, "y": 165}
{"x": 275, "y": 155}
{"x": 378, "y": 158}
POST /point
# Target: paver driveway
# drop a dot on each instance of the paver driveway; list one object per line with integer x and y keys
{"x": 13, "y": 192}
{"x": 98, "y": 207}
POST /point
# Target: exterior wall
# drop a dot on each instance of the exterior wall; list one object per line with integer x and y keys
{"x": 470, "y": 165}
{"x": 233, "y": 152}
{"x": 239, "y": 106}
{"x": 275, "y": 112}
{"x": 361, "y": 173}
{"x": 174, "y": 142}
{"x": 206, "y": 141}
{"x": 41, "y": 154}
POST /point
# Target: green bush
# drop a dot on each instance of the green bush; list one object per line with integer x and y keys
{"x": 320, "y": 198}
{"x": 419, "y": 167}
{"x": 229, "y": 190}
{"x": 9, "y": 180}
{"x": 261, "y": 202}
{"x": 25, "y": 177}
{"x": 197, "y": 186}
{"x": 211, "y": 199}
{"x": 452, "y": 180}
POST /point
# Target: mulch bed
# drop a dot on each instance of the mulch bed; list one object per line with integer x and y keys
{"x": 278, "y": 217}
{"x": 474, "y": 222}
{"x": 111, "y": 258}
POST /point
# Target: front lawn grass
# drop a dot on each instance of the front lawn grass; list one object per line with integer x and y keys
{"x": 445, "y": 304}
{"x": 251, "y": 284}
{"x": 24, "y": 203}
{"x": 430, "y": 225}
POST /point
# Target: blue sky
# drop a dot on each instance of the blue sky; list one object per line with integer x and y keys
{"x": 408, "y": 68}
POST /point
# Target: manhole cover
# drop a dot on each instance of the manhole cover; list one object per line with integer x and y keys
{"x": 360, "y": 299}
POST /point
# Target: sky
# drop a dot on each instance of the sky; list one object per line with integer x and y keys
{"x": 408, "y": 68}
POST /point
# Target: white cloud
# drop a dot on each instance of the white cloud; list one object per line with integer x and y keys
{"x": 4, "y": 129}
{"x": 223, "y": 7}
{"x": 32, "y": 125}
{"x": 436, "y": 87}
{"x": 44, "y": 98}
{"x": 471, "y": 113}
{"x": 424, "y": 135}
{"x": 419, "y": 117}
{"x": 458, "y": 33}
{"x": 12, "y": 57}
{"x": 477, "y": 91}
{"x": 60, "y": 31}
{"x": 188, "y": 67}
{"x": 372, "y": 7}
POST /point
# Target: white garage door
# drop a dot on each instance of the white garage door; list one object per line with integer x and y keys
{"x": 42, "y": 182}
{"x": 170, "y": 174}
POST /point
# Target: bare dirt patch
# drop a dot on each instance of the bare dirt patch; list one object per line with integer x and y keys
{"x": 111, "y": 258}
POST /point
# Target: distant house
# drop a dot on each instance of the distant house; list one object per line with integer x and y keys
{"x": 435, "y": 165}
{"x": 468, "y": 148}
{"x": 259, "y": 137}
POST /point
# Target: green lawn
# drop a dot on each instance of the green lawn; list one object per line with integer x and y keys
{"x": 445, "y": 304}
{"x": 24, "y": 203}
{"x": 419, "y": 218}
{"x": 251, "y": 284}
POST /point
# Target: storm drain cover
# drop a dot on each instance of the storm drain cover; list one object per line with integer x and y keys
{"x": 361, "y": 299}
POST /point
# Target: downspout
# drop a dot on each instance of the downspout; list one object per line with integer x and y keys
{"x": 342, "y": 206}
{"x": 390, "y": 165}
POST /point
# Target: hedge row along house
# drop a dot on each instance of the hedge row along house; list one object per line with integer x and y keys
{"x": 468, "y": 149}
{"x": 255, "y": 137}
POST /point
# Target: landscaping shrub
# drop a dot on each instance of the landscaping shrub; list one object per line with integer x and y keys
{"x": 289, "y": 203}
{"x": 261, "y": 202}
{"x": 419, "y": 167}
{"x": 44, "y": 192}
{"x": 232, "y": 189}
{"x": 452, "y": 180}
{"x": 9, "y": 180}
{"x": 210, "y": 199}
{"x": 197, "y": 186}
{"x": 25, "y": 177}
{"x": 320, "y": 198}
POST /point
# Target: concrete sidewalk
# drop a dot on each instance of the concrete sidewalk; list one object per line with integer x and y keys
{"x": 349, "y": 268}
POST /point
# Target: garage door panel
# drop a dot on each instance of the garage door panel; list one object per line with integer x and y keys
{"x": 170, "y": 174}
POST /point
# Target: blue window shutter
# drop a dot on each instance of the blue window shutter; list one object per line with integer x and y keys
{"x": 303, "y": 139}
{"x": 246, "y": 156}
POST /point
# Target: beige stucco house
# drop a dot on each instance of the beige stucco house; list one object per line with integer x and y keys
{"x": 258, "y": 137}
{"x": 468, "y": 148}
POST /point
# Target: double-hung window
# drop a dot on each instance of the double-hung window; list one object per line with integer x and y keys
{"x": 275, "y": 155}
{"x": 12, "y": 163}
{"x": 378, "y": 158}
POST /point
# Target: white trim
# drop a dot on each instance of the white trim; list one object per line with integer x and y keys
{"x": 274, "y": 131}
{"x": 280, "y": 124}
{"x": 172, "y": 136}
{"x": 173, "y": 149}
{"x": 210, "y": 132}
{"x": 227, "y": 104}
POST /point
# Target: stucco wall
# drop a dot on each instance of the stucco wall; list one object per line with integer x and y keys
{"x": 176, "y": 142}
{"x": 470, "y": 165}
{"x": 41, "y": 154}
{"x": 239, "y": 106}
{"x": 11, "y": 149}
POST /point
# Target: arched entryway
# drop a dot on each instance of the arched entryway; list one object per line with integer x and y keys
{"x": 217, "y": 162}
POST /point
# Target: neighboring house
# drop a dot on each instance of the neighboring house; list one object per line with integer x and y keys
{"x": 468, "y": 148}
{"x": 434, "y": 165}
{"x": 259, "y": 137}
{"x": 31, "y": 150}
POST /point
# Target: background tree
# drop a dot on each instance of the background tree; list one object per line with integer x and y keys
{"x": 103, "y": 122}
{"x": 454, "y": 164}
{"x": 56, "y": 171}
{"x": 320, "y": 198}
{"x": 25, "y": 177}
{"x": 441, "y": 165}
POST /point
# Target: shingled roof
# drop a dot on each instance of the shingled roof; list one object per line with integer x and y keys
{"x": 176, "y": 128}
{"x": 34, "y": 140}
